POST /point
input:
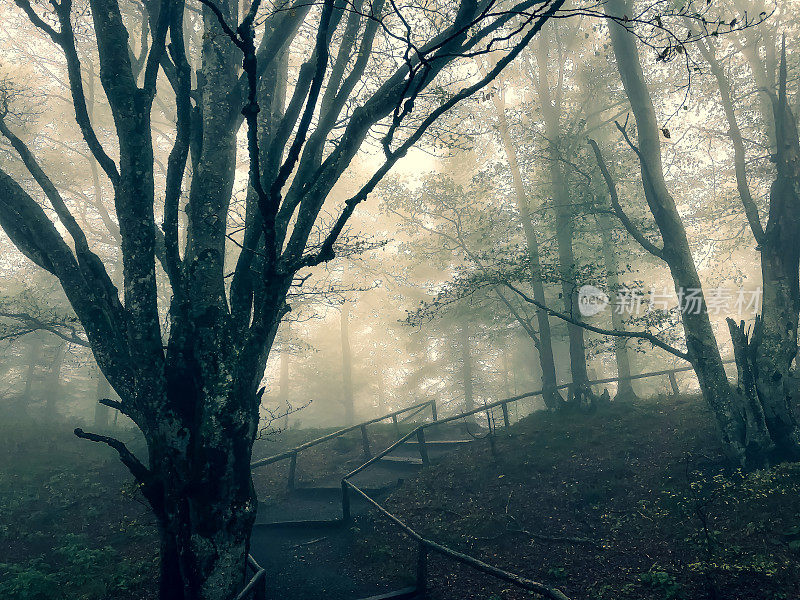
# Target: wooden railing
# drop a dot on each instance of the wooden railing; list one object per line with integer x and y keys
{"x": 425, "y": 545}
{"x": 408, "y": 412}
{"x": 256, "y": 588}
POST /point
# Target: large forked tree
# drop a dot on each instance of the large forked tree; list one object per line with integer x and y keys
{"x": 192, "y": 386}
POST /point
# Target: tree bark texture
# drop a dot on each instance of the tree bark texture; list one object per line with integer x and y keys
{"x": 742, "y": 423}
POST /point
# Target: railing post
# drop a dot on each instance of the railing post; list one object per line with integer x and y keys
{"x": 261, "y": 588}
{"x": 346, "y": 517}
{"x": 434, "y": 412}
{"x": 365, "y": 441}
{"x": 674, "y": 383}
{"x": 423, "y": 449}
{"x": 292, "y": 470}
{"x": 422, "y": 570}
{"x": 506, "y": 420}
{"x": 396, "y": 425}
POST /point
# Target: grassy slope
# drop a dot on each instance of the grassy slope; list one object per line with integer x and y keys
{"x": 642, "y": 485}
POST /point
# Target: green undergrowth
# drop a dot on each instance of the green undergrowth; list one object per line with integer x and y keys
{"x": 71, "y": 524}
{"x": 74, "y": 526}
{"x": 633, "y": 502}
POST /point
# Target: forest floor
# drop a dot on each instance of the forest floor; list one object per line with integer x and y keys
{"x": 633, "y": 502}
{"x": 73, "y": 526}
{"x": 642, "y": 485}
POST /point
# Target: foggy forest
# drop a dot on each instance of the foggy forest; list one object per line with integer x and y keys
{"x": 370, "y": 299}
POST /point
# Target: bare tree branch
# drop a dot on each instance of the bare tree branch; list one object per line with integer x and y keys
{"x": 618, "y": 210}
{"x": 735, "y": 134}
{"x": 629, "y": 334}
{"x": 56, "y": 328}
{"x": 139, "y": 471}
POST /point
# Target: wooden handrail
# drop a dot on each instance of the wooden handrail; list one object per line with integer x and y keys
{"x": 251, "y": 562}
{"x": 411, "y": 415}
{"x": 257, "y": 584}
{"x": 251, "y": 586}
{"x": 562, "y": 386}
{"x": 287, "y": 454}
{"x": 425, "y": 544}
{"x": 380, "y": 455}
{"x": 422, "y": 405}
{"x": 650, "y": 374}
{"x": 259, "y": 579}
{"x": 479, "y": 565}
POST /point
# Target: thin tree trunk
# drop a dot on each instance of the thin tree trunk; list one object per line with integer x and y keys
{"x": 605, "y": 225}
{"x": 580, "y": 389}
{"x": 505, "y": 367}
{"x": 466, "y": 366}
{"x": 53, "y": 383}
{"x": 283, "y": 383}
{"x": 347, "y": 366}
{"x": 551, "y": 103}
{"x": 625, "y": 386}
{"x": 32, "y": 358}
{"x": 552, "y": 398}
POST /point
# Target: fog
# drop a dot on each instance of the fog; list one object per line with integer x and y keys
{"x": 506, "y": 291}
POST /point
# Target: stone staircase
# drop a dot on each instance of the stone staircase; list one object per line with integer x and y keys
{"x": 312, "y": 513}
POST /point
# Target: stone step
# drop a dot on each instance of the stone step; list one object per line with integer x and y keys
{"x": 401, "y": 461}
{"x": 441, "y": 443}
{"x": 408, "y": 593}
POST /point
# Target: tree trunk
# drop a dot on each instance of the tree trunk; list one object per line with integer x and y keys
{"x": 742, "y": 426}
{"x": 204, "y": 529}
{"x": 32, "y": 357}
{"x": 774, "y": 339}
{"x": 53, "y": 385}
{"x": 580, "y": 392}
{"x": 347, "y": 367}
{"x": 505, "y": 366}
{"x": 764, "y": 360}
{"x": 552, "y": 398}
{"x": 625, "y": 386}
{"x": 198, "y": 480}
{"x": 466, "y": 366}
{"x": 283, "y": 384}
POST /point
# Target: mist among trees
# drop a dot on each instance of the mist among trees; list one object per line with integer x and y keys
{"x": 358, "y": 299}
